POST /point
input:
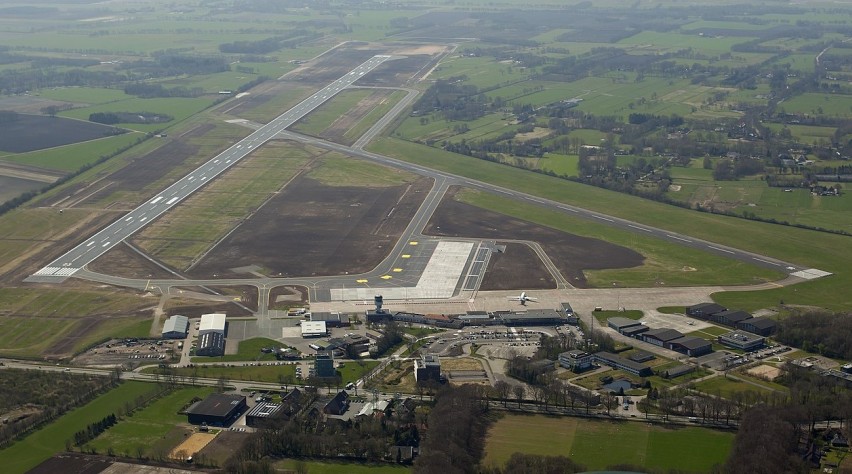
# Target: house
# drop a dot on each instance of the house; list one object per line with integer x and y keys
{"x": 742, "y": 340}
{"x": 575, "y": 360}
{"x": 761, "y": 326}
{"x": 217, "y": 409}
{"x": 620, "y": 363}
{"x": 704, "y": 310}
{"x": 691, "y": 346}
{"x": 337, "y": 405}
{"x": 730, "y": 317}
{"x": 659, "y": 337}
{"x": 176, "y": 327}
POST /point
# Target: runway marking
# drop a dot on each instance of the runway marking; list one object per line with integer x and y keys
{"x": 637, "y": 227}
{"x": 397, "y": 270}
{"x": 677, "y": 238}
{"x": 90, "y": 243}
{"x": 361, "y": 281}
{"x": 155, "y": 201}
{"x": 766, "y": 261}
{"x": 385, "y": 277}
{"x": 721, "y": 250}
{"x": 603, "y": 218}
{"x": 171, "y": 201}
{"x": 406, "y": 256}
{"x": 413, "y": 242}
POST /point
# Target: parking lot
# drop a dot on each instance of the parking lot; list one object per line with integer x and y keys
{"x": 117, "y": 352}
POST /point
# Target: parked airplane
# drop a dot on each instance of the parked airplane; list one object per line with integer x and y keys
{"x": 523, "y": 298}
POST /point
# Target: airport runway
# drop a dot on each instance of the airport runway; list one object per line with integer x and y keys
{"x": 95, "y": 246}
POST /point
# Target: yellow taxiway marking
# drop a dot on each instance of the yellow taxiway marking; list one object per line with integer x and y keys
{"x": 397, "y": 270}
{"x": 413, "y": 242}
{"x": 360, "y": 281}
{"x": 406, "y": 256}
{"x": 386, "y": 277}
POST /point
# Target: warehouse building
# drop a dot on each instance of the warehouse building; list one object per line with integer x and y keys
{"x": 659, "y": 337}
{"x": 217, "y": 409}
{"x": 691, "y": 346}
{"x": 211, "y": 344}
{"x": 704, "y": 310}
{"x": 761, "y": 326}
{"x": 620, "y": 324}
{"x": 214, "y": 322}
{"x": 314, "y": 329}
{"x": 176, "y": 327}
{"x": 332, "y": 320}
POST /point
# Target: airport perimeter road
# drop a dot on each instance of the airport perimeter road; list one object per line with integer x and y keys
{"x": 78, "y": 257}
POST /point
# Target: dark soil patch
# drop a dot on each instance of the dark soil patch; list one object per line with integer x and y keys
{"x": 313, "y": 229}
{"x": 247, "y": 294}
{"x": 397, "y": 72}
{"x": 123, "y": 261}
{"x": 570, "y": 253}
{"x": 70, "y": 463}
{"x": 37, "y": 132}
{"x": 289, "y": 296}
{"x": 517, "y": 267}
{"x": 223, "y": 446}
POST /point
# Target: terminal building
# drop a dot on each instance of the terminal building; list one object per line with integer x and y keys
{"x": 533, "y": 317}
{"x": 217, "y": 409}
{"x": 176, "y": 327}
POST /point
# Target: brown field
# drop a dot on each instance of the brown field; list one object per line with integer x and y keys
{"x": 304, "y": 230}
{"x": 570, "y": 253}
{"x": 123, "y": 261}
{"x": 524, "y": 266}
{"x": 282, "y": 297}
{"x": 337, "y": 131}
{"x": 462, "y": 363}
{"x": 764, "y": 371}
{"x": 195, "y": 443}
{"x": 195, "y": 308}
{"x": 223, "y": 447}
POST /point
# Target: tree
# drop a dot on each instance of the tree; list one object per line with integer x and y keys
{"x": 519, "y": 391}
{"x": 502, "y": 388}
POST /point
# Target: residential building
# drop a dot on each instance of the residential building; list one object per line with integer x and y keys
{"x": 337, "y": 405}
{"x": 575, "y": 360}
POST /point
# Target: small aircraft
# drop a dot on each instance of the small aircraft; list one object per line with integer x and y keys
{"x": 523, "y": 298}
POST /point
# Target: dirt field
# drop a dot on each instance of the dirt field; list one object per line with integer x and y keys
{"x": 570, "y": 253}
{"x": 304, "y": 230}
{"x": 123, "y": 261}
{"x": 223, "y": 447}
{"x": 282, "y": 297}
{"x": 192, "y": 445}
{"x": 764, "y": 371}
{"x": 521, "y": 262}
{"x": 195, "y": 308}
{"x": 246, "y": 294}
{"x": 37, "y": 132}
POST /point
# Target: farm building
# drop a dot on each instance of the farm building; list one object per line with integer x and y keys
{"x": 214, "y": 322}
{"x": 659, "y": 337}
{"x": 620, "y": 324}
{"x": 211, "y": 344}
{"x": 261, "y": 412}
{"x": 691, "y": 346}
{"x": 176, "y": 327}
{"x": 704, "y": 310}
{"x": 575, "y": 360}
{"x": 314, "y": 329}
{"x": 760, "y": 326}
{"x": 620, "y": 363}
{"x": 217, "y": 409}
{"x": 742, "y": 340}
{"x": 427, "y": 368}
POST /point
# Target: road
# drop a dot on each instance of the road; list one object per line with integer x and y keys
{"x": 95, "y": 246}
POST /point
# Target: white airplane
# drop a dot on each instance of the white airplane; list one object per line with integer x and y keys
{"x": 523, "y": 298}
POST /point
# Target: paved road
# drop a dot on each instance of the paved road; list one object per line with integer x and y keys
{"x": 95, "y": 246}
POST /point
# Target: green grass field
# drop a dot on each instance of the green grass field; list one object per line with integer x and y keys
{"x": 72, "y": 157}
{"x": 338, "y": 170}
{"x": 726, "y": 387}
{"x": 44, "y": 443}
{"x": 322, "y": 118}
{"x": 598, "y": 444}
{"x": 602, "y": 316}
{"x": 147, "y": 427}
{"x": 248, "y": 350}
{"x": 319, "y": 467}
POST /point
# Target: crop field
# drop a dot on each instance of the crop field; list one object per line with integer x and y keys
{"x": 598, "y": 444}
{"x": 148, "y": 427}
{"x": 831, "y": 105}
{"x": 44, "y": 443}
{"x": 71, "y": 157}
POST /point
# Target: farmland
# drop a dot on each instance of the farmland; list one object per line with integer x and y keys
{"x": 598, "y": 444}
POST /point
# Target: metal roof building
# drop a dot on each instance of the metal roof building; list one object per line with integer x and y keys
{"x": 620, "y": 324}
{"x": 176, "y": 327}
{"x": 211, "y": 344}
{"x": 260, "y": 412}
{"x": 214, "y": 322}
{"x": 314, "y": 329}
{"x": 218, "y": 409}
